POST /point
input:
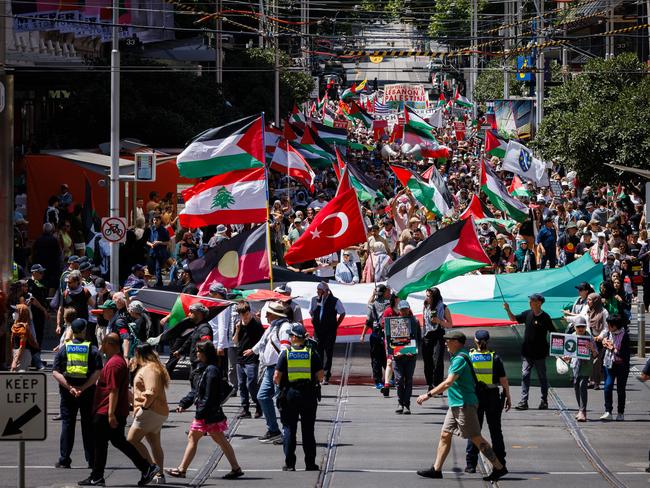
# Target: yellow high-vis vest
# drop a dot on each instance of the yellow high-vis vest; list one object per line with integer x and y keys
{"x": 299, "y": 364}
{"x": 78, "y": 354}
{"x": 483, "y": 363}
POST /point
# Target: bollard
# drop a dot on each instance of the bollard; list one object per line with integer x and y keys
{"x": 641, "y": 323}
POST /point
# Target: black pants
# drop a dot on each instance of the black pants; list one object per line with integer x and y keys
{"x": 325, "y": 349}
{"x": 489, "y": 407}
{"x": 433, "y": 356}
{"x": 377, "y": 357}
{"x": 103, "y": 433}
{"x": 299, "y": 404}
{"x": 69, "y": 407}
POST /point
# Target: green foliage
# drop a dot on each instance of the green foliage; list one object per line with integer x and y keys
{"x": 599, "y": 117}
{"x": 394, "y": 8}
{"x": 222, "y": 199}
{"x": 450, "y": 18}
{"x": 489, "y": 83}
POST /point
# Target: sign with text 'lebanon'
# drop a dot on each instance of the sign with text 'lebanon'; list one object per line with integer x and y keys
{"x": 23, "y": 415}
{"x": 413, "y": 95}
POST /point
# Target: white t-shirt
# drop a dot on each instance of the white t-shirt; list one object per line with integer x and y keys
{"x": 327, "y": 272}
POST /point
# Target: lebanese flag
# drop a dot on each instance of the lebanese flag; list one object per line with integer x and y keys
{"x": 288, "y": 161}
{"x": 451, "y": 251}
{"x": 237, "y": 197}
{"x": 476, "y": 209}
{"x": 337, "y": 226}
{"x": 272, "y": 136}
{"x": 237, "y": 261}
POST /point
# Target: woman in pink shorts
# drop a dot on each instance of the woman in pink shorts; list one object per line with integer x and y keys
{"x": 209, "y": 418}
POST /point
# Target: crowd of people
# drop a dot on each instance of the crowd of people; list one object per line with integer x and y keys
{"x": 62, "y": 285}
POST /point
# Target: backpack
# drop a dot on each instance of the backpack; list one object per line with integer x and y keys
{"x": 479, "y": 386}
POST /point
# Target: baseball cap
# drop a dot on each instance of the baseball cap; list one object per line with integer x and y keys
{"x": 37, "y": 268}
{"x": 298, "y": 330}
{"x": 78, "y": 325}
{"x": 538, "y": 297}
{"x": 580, "y": 321}
{"x": 100, "y": 283}
{"x": 73, "y": 259}
{"x": 282, "y": 289}
{"x": 217, "y": 287}
{"x": 482, "y": 335}
{"x": 381, "y": 288}
{"x": 199, "y": 307}
{"x": 85, "y": 266}
{"x": 601, "y": 234}
{"x": 108, "y": 305}
{"x": 455, "y": 335}
{"x": 404, "y": 304}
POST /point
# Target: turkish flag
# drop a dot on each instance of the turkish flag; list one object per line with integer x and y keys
{"x": 338, "y": 225}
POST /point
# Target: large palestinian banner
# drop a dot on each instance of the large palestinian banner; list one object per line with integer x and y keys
{"x": 415, "y": 96}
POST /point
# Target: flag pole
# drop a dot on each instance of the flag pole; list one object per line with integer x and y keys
{"x": 268, "y": 210}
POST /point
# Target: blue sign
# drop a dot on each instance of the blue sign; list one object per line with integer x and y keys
{"x": 525, "y": 63}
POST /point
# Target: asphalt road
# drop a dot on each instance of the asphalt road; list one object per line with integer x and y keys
{"x": 362, "y": 442}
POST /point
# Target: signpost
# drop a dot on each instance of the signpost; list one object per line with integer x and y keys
{"x": 145, "y": 166}
{"x": 114, "y": 229}
{"x": 570, "y": 345}
{"x": 23, "y": 416}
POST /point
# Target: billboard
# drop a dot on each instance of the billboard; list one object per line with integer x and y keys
{"x": 514, "y": 118}
{"x": 413, "y": 95}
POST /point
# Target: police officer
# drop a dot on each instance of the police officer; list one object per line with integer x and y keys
{"x": 381, "y": 300}
{"x": 76, "y": 368}
{"x": 298, "y": 371}
{"x": 489, "y": 370}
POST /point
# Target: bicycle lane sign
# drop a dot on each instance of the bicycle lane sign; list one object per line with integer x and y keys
{"x": 114, "y": 229}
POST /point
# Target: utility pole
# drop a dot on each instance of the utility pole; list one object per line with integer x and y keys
{"x": 539, "y": 72}
{"x": 507, "y": 32}
{"x": 114, "y": 202}
{"x": 474, "y": 59}
{"x": 218, "y": 46}
{"x": 6, "y": 156}
{"x": 261, "y": 26}
{"x": 565, "y": 51}
{"x": 276, "y": 37}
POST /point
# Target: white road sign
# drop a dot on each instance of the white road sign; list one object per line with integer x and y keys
{"x": 23, "y": 415}
{"x": 114, "y": 229}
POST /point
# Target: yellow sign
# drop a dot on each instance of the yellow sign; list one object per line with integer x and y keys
{"x": 376, "y": 59}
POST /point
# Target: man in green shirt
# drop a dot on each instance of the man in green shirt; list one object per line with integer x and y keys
{"x": 462, "y": 417}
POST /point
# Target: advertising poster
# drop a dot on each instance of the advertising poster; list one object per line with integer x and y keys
{"x": 514, "y": 118}
{"x": 401, "y": 335}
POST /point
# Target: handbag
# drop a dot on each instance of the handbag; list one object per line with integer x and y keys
{"x": 561, "y": 366}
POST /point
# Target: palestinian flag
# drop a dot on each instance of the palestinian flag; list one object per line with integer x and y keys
{"x": 316, "y": 151}
{"x": 476, "y": 209}
{"x": 272, "y": 136}
{"x": 291, "y": 132}
{"x": 461, "y": 100}
{"x": 363, "y": 184}
{"x": 322, "y": 103}
{"x": 89, "y": 220}
{"x": 416, "y": 129}
{"x": 495, "y": 145}
{"x": 330, "y": 135}
{"x": 235, "y": 146}
{"x": 442, "y": 101}
{"x": 423, "y": 193}
{"x": 339, "y": 164}
{"x": 237, "y": 261}
{"x": 517, "y": 188}
{"x": 499, "y": 196}
{"x": 176, "y": 304}
{"x": 348, "y": 93}
{"x": 297, "y": 117}
{"x": 437, "y": 182}
{"x": 452, "y": 251}
{"x": 237, "y": 197}
{"x": 356, "y": 112}
{"x": 328, "y": 117}
{"x": 287, "y": 160}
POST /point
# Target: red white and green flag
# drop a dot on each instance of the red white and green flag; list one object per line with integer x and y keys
{"x": 497, "y": 193}
{"x": 356, "y": 112}
{"x": 297, "y": 117}
{"x": 427, "y": 194}
{"x": 495, "y": 145}
{"x": 461, "y": 101}
{"x": 517, "y": 188}
{"x": 272, "y": 136}
{"x": 289, "y": 161}
{"x": 237, "y": 197}
{"x": 235, "y": 146}
{"x": 452, "y": 251}
{"x": 418, "y": 131}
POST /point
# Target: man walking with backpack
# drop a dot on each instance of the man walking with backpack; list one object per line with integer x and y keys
{"x": 462, "y": 414}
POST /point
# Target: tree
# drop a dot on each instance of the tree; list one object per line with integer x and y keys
{"x": 489, "y": 84}
{"x": 598, "y": 117}
{"x": 222, "y": 199}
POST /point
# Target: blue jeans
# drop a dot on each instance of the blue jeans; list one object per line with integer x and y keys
{"x": 247, "y": 374}
{"x": 618, "y": 373}
{"x": 404, "y": 369}
{"x": 266, "y": 398}
{"x": 527, "y": 366}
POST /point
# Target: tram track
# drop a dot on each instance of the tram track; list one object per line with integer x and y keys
{"x": 329, "y": 457}
{"x": 580, "y": 438}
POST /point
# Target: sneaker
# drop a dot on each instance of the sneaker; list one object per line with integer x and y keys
{"x": 407, "y": 411}
{"x": 385, "y": 390}
{"x": 57, "y": 417}
{"x": 469, "y": 469}
{"x": 233, "y": 475}
{"x": 159, "y": 479}
{"x": 399, "y": 410}
{"x": 521, "y": 406}
{"x": 60, "y": 465}
{"x": 606, "y": 416}
{"x": 244, "y": 414}
{"x": 148, "y": 475}
{"x": 325, "y": 382}
{"x": 378, "y": 386}
{"x": 496, "y": 474}
{"x": 430, "y": 473}
{"x": 270, "y": 437}
{"x": 91, "y": 482}
{"x": 312, "y": 467}
{"x": 620, "y": 417}
{"x": 543, "y": 405}
{"x": 279, "y": 441}
{"x": 288, "y": 468}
